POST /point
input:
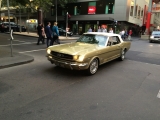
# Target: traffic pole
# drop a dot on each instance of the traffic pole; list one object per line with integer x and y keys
{"x": 149, "y": 17}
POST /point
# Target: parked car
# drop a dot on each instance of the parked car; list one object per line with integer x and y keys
{"x": 4, "y": 27}
{"x": 63, "y": 32}
{"x": 155, "y": 36}
{"x": 89, "y": 51}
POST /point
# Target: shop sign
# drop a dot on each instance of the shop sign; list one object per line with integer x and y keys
{"x": 91, "y": 10}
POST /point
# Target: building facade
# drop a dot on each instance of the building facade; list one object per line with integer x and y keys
{"x": 129, "y": 14}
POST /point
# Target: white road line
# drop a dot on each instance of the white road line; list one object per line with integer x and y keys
{"x": 17, "y": 40}
{"x": 158, "y": 95}
{"x": 18, "y": 44}
{"x": 32, "y": 51}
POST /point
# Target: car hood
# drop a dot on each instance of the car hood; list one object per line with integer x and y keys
{"x": 76, "y": 48}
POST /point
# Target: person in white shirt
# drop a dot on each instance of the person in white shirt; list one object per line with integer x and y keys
{"x": 122, "y": 34}
{"x": 99, "y": 29}
{"x": 111, "y": 30}
{"x": 104, "y": 30}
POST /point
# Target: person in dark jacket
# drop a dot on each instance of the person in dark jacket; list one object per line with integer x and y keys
{"x": 55, "y": 33}
{"x": 39, "y": 32}
{"x": 48, "y": 34}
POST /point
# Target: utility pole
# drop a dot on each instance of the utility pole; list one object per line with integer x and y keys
{"x": 8, "y": 15}
{"x": 66, "y": 24}
{"x": 56, "y": 10}
{"x": 149, "y": 17}
{"x": 20, "y": 30}
{"x": 0, "y": 8}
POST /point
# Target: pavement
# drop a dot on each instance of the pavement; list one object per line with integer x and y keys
{"x": 8, "y": 60}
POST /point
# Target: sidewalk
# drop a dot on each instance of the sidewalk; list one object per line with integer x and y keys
{"x": 6, "y": 60}
{"x": 33, "y": 34}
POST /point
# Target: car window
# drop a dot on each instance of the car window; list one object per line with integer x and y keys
{"x": 113, "y": 40}
{"x": 156, "y": 33}
{"x": 93, "y": 39}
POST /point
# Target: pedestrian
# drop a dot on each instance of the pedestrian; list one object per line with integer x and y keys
{"x": 122, "y": 34}
{"x": 39, "y": 32}
{"x": 48, "y": 34}
{"x": 130, "y": 33}
{"x": 43, "y": 35}
{"x": 99, "y": 29}
{"x": 90, "y": 29}
{"x": 110, "y": 30}
{"x": 104, "y": 30}
{"x": 55, "y": 34}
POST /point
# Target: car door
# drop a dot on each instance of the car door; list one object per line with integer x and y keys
{"x": 114, "y": 48}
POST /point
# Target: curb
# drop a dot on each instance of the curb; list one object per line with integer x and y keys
{"x": 63, "y": 38}
{"x": 30, "y": 59}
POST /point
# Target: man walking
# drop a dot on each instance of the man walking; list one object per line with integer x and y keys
{"x": 48, "y": 34}
{"x": 39, "y": 32}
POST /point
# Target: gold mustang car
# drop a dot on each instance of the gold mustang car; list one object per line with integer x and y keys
{"x": 89, "y": 51}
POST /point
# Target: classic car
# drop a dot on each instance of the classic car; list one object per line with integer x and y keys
{"x": 89, "y": 51}
{"x": 155, "y": 36}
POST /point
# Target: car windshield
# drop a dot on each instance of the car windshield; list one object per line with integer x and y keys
{"x": 156, "y": 33}
{"x": 93, "y": 39}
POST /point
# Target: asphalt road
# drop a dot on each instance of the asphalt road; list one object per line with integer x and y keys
{"x": 125, "y": 90}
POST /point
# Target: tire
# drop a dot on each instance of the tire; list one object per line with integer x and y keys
{"x": 93, "y": 67}
{"x": 150, "y": 41}
{"x": 122, "y": 57}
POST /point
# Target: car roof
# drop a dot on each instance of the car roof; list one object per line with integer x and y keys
{"x": 102, "y": 33}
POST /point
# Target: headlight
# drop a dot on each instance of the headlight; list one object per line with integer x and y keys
{"x": 151, "y": 36}
{"x": 48, "y": 51}
{"x": 80, "y": 58}
{"x": 75, "y": 57}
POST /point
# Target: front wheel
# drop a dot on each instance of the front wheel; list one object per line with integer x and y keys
{"x": 122, "y": 57}
{"x": 93, "y": 67}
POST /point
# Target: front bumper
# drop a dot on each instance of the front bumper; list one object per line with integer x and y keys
{"x": 155, "y": 39}
{"x": 68, "y": 64}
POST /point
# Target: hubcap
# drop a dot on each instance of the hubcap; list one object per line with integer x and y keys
{"x": 94, "y": 66}
{"x": 123, "y": 53}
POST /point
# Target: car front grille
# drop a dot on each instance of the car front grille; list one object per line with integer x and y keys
{"x": 156, "y": 36}
{"x": 61, "y": 55}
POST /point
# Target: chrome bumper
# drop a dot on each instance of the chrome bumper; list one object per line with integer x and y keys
{"x": 69, "y": 65}
{"x": 155, "y": 39}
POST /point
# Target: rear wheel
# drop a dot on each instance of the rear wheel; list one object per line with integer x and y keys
{"x": 93, "y": 67}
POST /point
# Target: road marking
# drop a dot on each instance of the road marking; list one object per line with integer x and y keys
{"x": 158, "y": 95}
{"x": 32, "y": 51}
{"x": 18, "y": 44}
{"x": 17, "y": 40}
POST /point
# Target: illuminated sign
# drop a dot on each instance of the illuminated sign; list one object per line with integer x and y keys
{"x": 91, "y": 10}
{"x": 32, "y": 21}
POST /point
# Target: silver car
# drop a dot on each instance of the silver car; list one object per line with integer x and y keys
{"x": 155, "y": 36}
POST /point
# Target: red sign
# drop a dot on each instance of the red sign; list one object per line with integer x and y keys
{"x": 91, "y": 10}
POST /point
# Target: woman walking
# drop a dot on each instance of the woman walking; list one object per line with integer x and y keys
{"x": 55, "y": 34}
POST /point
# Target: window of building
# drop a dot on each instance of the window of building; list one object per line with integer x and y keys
{"x": 139, "y": 12}
{"x": 135, "y": 14}
{"x": 131, "y": 8}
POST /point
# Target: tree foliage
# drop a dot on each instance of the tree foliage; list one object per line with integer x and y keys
{"x": 44, "y": 4}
